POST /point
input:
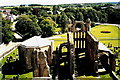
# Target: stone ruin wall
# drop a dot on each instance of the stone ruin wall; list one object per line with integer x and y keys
{"x": 38, "y": 59}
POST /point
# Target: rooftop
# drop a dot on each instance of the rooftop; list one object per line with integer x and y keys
{"x": 36, "y": 42}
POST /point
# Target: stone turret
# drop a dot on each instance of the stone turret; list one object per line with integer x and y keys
{"x": 88, "y": 24}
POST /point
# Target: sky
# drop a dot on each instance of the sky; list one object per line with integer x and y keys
{"x": 49, "y": 2}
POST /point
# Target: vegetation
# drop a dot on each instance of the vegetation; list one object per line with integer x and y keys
{"x": 63, "y": 38}
{"x": 4, "y": 60}
{"x": 14, "y": 55}
{"x": 7, "y": 34}
{"x": 114, "y": 31}
{"x": 60, "y": 15}
{"x": 46, "y": 20}
{"x": 27, "y": 26}
{"x": 21, "y": 10}
{"x": 63, "y": 22}
{"x": 48, "y": 27}
{"x": 106, "y": 38}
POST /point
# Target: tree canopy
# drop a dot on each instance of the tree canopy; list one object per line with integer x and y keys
{"x": 63, "y": 21}
{"x": 7, "y": 34}
{"x": 48, "y": 27}
{"x": 42, "y": 20}
{"x": 27, "y": 26}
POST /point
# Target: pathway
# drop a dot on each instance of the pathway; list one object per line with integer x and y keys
{"x": 6, "y": 49}
{"x": 118, "y": 25}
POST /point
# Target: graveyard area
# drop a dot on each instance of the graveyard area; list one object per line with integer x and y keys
{"x": 111, "y": 39}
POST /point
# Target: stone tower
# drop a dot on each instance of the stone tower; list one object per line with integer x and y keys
{"x": 88, "y": 24}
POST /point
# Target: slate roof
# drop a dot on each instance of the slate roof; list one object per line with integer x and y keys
{"x": 36, "y": 42}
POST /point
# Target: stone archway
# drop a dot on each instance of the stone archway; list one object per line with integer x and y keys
{"x": 82, "y": 27}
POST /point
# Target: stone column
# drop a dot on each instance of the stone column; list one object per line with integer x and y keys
{"x": 40, "y": 65}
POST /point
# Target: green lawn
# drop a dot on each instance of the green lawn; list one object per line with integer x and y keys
{"x": 114, "y": 31}
{"x": 27, "y": 75}
{"x": 13, "y": 54}
{"x": 107, "y": 37}
{"x": 58, "y": 41}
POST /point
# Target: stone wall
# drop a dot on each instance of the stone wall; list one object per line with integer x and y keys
{"x": 38, "y": 59}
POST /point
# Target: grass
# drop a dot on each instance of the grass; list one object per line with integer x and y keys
{"x": 93, "y": 79}
{"x": 96, "y": 31}
{"x": 58, "y": 41}
{"x": 104, "y": 77}
{"x": 106, "y": 38}
{"x": 57, "y": 29}
{"x": 112, "y": 38}
{"x": 27, "y": 75}
{"x": 13, "y": 54}
{"x": 114, "y": 31}
{"x": 8, "y": 7}
{"x": 113, "y": 42}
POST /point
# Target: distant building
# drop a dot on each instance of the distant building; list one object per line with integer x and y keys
{"x": 6, "y": 14}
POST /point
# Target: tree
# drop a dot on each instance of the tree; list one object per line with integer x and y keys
{"x": 27, "y": 27}
{"x": 42, "y": 12}
{"x": 58, "y": 20}
{"x": 25, "y": 10}
{"x": 21, "y": 10}
{"x": 116, "y": 17}
{"x": 113, "y": 15}
{"x": 70, "y": 9}
{"x": 79, "y": 5}
{"x": 13, "y": 11}
{"x": 71, "y": 15}
{"x": 92, "y": 14}
{"x": 7, "y": 34}
{"x": 83, "y": 11}
{"x": 48, "y": 27}
{"x": 108, "y": 5}
{"x": 63, "y": 22}
{"x": 109, "y": 11}
{"x": 55, "y": 9}
{"x": 40, "y": 19}
{"x": 33, "y": 18}
{"x": 79, "y": 16}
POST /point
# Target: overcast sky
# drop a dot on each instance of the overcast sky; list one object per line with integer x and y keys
{"x": 49, "y": 2}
